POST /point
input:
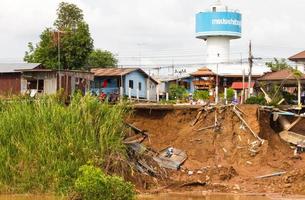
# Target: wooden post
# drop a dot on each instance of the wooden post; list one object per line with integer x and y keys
{"x": 225, "y": 96}
{"x": 299, "y": 94}
{"x": 129, "y": 93}
{"x": 148, "y": 94}
{"x": 157, "y": 93}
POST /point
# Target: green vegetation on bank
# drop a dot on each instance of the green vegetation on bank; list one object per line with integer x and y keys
{"x": 43, "y": 143}
{"x": 93, "y": 184}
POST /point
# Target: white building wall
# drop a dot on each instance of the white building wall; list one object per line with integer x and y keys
{"x": 50, "y": 86}
{"x": 301, "y": 66}
{"x": 218, "y": 49}
{"x": 24, "y": 85}
{"x": 152, "y": 87}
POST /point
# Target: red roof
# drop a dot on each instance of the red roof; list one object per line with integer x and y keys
{"x": 284, "y": 74}
{"x": 203, "y": 72}
{"x": 239, "y": 85}
{"x": 299, "y": 56}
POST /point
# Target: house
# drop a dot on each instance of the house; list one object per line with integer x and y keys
{"x": 226, "y": 76}
{"x": 183, "y": 81}
{"x": 204, "y": 79}
{"x": 18, "y": 78}
{"x": 10, "y": 78}
{"x": 132, "y": 82}
{"x": 283, "y": 77}
{"x": 299, "y": 59}
{"x": 48, "y": 81}
{"x": 287, "y": 81}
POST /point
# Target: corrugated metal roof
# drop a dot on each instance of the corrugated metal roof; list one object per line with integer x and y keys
{"x": 112, "y": 71}
{"x": 12, "y": 67}
{"x": 116, "y": 72}
{"x": 170, "y": 78}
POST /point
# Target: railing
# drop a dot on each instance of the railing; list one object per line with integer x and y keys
{"x": 202, "y": 82}
{"x": 105, "y": 90}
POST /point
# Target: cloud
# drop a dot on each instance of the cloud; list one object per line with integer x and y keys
{"x": 153, "y": 28}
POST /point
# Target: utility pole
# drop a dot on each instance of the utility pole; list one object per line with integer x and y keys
{"x": 250, "y": 68}
{"x": 58, "y": 46}
{"x": 243, "y": 72}
{"x": 217, "y": 82}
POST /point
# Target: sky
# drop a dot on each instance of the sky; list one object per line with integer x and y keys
{"x": 151, "y": 32}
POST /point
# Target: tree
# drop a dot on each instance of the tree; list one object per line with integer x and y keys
{"x": 68, "y": 16}
{"x": 278, "y": 64}
{"x": 72, "y": 37}
{"x": 100, "y": 58}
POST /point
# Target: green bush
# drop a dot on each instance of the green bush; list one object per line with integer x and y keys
{"x": 177, "y": 92}
{"x": 94, "y": 184}
{"x": 201, "y": 95}
{"x": 256, "y": 100}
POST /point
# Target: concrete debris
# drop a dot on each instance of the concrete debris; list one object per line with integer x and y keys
{"x": 190, "y": 173}
{"x": 249, "y": 162}
{"x": 254, "y": 147}
{"x": 174, "y": 161}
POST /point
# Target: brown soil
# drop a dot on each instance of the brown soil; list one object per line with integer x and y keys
{"x": 222, "y": 159}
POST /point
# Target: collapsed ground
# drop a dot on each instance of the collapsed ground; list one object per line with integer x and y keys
{"x": 221, "y": 161}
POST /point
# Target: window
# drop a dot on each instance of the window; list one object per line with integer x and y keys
{"x": 131, "y": 84}
{"x": 214, "y": 9}
{"x": 140, "y": 86}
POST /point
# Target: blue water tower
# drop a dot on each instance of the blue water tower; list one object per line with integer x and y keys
{"x": 217, "y": 26}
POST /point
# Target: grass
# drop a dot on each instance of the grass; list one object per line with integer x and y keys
{"x": 43, "y": 143}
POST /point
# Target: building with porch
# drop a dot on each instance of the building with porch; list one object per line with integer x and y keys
{"x": 183, "y": 81}
{"x": 133, "y": 82}
{"x": 225, "y": 76}
{"x": 48, "y": 81}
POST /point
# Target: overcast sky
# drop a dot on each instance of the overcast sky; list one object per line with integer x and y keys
{"x": 158, "y": 30}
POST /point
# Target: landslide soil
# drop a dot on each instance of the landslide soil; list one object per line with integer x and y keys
{"x": 222, "y": 159}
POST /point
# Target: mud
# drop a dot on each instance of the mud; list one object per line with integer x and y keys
{"x": 222, "y": 159}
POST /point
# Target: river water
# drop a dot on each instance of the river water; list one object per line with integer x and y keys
{"x": 170, "y": 196}
{"x": 187, "y": 196}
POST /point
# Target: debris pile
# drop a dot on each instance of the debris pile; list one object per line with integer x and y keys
{"x": 227, "y": 147}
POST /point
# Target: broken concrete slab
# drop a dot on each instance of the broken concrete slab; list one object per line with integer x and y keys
{"x": 173, "y": 161}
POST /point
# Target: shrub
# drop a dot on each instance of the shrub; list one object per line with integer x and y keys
{"x": 177, "y": 92}
{"x": 256, "y": 100}
{"x": 201, "y": 94}
{"x": 94, "y": 184}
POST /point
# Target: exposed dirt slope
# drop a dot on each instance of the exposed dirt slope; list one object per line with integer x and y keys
{"x": 223, "y": 159}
